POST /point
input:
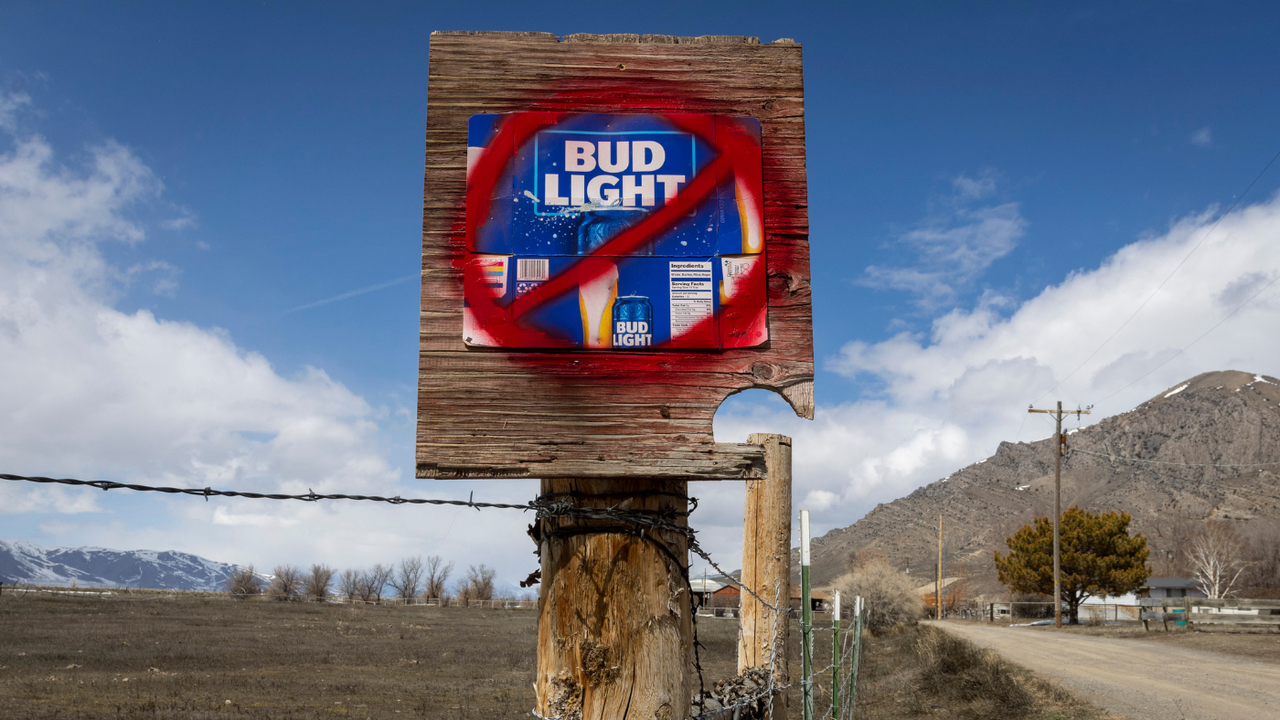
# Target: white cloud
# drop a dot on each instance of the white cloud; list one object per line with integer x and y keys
{"x": 90, "y": 391}
{"x": 10, "y": 103}
{"x": 1202, "y": 137}
{"x": 951, "y": 395}
{"x": 954, "y": 245}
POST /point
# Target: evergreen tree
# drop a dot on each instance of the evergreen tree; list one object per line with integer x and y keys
{"x": 1099, "y": 557}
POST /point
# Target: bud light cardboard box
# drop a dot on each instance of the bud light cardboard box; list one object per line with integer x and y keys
{"x": 614, "y": 232}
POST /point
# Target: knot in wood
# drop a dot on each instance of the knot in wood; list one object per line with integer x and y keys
{"x": 781, "y": 282}
{"x": 762, "y": 371}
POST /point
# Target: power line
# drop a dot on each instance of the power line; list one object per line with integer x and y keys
{"x": 1166, "y": 462}
{"x": 1193, "y": 342}
{"x": 1165, "y": 281}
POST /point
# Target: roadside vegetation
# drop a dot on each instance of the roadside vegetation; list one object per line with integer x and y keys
{"x": 1098, "y": 557}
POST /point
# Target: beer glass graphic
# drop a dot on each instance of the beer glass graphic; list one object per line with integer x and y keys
{"x": 597, "y": 289}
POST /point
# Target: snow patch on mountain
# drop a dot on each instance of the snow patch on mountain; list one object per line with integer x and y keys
{"x": 24, "y": 562}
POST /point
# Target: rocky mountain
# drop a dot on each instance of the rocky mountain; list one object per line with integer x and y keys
{"x": 23, "y": 562}
{"x": 1185, "y": 435}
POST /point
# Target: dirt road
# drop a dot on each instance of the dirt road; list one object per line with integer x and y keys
{"x": 1139, "y": 679}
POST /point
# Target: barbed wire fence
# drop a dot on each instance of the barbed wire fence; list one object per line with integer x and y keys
{"x": 548, "y": 507}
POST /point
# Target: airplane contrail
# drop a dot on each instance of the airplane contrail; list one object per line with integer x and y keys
{"x": 352, "y": 294}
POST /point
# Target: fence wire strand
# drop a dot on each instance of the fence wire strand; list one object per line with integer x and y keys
{"x": 545, "y": 507}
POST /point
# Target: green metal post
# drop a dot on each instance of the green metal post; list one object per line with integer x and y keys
{"x": 806, "y": 621}
{"x": 835, "y": 655}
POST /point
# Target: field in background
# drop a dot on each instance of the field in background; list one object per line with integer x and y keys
{"x": 159, "y": 656}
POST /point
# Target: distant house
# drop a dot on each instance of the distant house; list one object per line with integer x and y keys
{"x": 819, "y": 600}
{"x": 727, "y": 596}
{"x": 703, "y": 590}
{"x": 1170, "y": 587}
{"x": 1155, "y": 587}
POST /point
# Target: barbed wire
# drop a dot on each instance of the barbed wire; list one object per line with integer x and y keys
{"x": 544, "y": 506}
{"x": 209, "y": 492}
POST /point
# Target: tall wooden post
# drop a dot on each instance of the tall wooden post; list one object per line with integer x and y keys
{"x": 614, "y": 609}
{"x": 938, "y": 594}
{"x": 766, "y": 564}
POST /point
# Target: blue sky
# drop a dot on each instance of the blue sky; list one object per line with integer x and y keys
{"x": 993, "y": 190}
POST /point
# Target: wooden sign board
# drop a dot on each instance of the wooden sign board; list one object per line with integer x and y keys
{"x": 525, "y": 231}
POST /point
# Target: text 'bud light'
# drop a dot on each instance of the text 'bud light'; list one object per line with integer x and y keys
{"x": 632, "y": 322}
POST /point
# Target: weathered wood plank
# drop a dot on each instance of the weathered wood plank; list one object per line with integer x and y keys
{"x": 766, "y": 565}
{"x": 547, "y": 414}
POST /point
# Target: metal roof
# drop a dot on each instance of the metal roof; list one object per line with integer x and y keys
{"x": 1170, "y": 582}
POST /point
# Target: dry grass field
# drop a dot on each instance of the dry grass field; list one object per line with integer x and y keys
{"x": 207, "y": 657}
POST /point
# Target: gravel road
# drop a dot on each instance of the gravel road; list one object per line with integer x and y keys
{"x": 1139, "y": 679}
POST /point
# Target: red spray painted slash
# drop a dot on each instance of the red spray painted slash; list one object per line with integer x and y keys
{"x": 737, "y": 161}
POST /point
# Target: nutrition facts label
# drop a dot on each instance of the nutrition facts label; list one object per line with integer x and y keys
{"x": 691, "y": 288}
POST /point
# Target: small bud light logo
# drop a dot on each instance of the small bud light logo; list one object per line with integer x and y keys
{"x": 632, "y": 322}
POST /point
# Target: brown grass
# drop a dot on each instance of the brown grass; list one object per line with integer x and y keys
{"x": 68, "y": 657}
{"x": 159, "y": 657}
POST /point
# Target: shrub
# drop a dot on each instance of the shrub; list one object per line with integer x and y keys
{"x": 889, "y": 595}
{"x": 954, "y": 669}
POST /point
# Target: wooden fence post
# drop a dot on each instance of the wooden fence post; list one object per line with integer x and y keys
{"x": 766, "y": 563}
{"x": 614, "y": 613}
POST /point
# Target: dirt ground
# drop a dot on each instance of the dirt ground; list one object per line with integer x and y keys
{"x": 1262, "y": 645}
{"x": 208, "y": 657}
{"x": 1156, "y": 675}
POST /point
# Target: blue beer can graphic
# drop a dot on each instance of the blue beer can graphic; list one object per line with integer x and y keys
{"x": 632, "y": 322}
{"x": 598, "y": 226}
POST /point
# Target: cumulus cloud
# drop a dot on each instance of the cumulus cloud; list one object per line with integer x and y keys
{"x": 952, "y": 394}
{"x": 91, "y": 391}
{"x": 963, "y": 234}
{"x": 1202, "y": 137}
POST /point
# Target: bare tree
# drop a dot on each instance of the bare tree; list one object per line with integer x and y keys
{"x": 1262, "y": 579}
{"x": 462, "y": 592}
{"x": 287, "y": 583}
{"x": 349, "y": 584}
{"x": 318, "y": 581}
{"x": 1168, "y": 543}
{"x": 374, "y": 581}
{"x": 480, "y": 582}
{"x": 1217, "y": 559}
{"x": 408, "y": 581}
{"x": 244, "y": 582}
{"x": 437, "y": 577}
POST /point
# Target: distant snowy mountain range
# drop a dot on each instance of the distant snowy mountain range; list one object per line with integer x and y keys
{"x": 23, "y": 562}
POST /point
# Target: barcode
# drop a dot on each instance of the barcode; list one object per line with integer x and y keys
{"x": 532, "y": 269}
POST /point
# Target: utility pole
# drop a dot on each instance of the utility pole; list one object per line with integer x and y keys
{"x": 938, "y": 588}
{"x": 1057, "y": 506}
